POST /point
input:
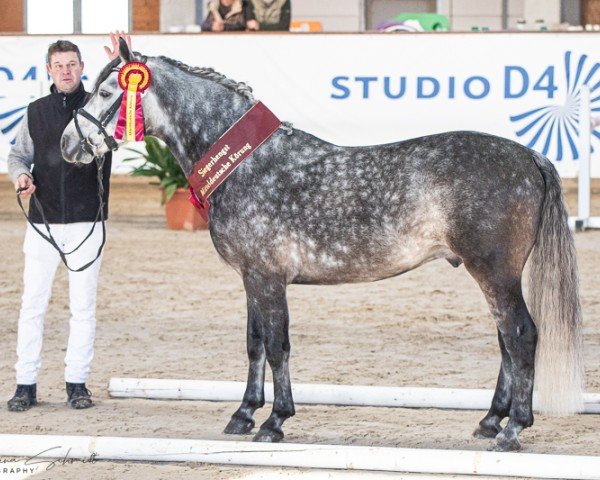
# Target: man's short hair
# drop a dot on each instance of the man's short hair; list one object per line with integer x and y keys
{"x": 62, "y": 46}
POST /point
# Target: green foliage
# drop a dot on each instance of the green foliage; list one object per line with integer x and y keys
{"x": 159, "y": 162}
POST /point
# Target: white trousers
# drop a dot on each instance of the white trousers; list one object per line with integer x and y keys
{"x": 41, "y": 262}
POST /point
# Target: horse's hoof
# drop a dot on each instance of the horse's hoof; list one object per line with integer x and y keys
{"x": 483, "y": 433}
{"x": 239, "y": 426}
{"x": 268, "y": 436}
{"x": 505, "y": 444}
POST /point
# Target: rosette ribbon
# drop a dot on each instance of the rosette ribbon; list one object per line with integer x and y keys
{"x": 134, "y": 78}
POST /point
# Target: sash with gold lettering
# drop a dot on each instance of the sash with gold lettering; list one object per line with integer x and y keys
{"x": 228, "y": 152}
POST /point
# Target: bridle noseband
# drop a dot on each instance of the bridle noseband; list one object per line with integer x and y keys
{"x": 84, "y": 142}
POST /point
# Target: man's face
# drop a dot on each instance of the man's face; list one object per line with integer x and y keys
{"x": 65, "y": 70}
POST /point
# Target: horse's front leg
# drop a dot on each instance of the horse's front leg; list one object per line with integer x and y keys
{"x": 241, "y": 421}
{"x": 267, "y": 298}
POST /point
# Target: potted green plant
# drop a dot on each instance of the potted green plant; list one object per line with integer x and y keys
{"x": 160, "y": 163}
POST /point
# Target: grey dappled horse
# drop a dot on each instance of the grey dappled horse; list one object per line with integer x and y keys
{"x": 301, "y": 210}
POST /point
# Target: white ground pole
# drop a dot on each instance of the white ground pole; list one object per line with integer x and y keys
{"x": 583, "y": 219}
{"x": 457, "y": 462}
{"x": 319, "y": 474}
{"x": 322, "y": 394}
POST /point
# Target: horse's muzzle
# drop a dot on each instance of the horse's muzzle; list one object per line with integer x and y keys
{"x": 72, "y": 151}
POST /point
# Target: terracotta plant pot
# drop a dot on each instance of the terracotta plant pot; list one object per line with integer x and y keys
{"x": 181, "y": 214}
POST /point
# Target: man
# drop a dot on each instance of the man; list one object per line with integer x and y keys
{"x": 272, "y": 14}
{"x": 229, "y": 15}
{"x": 69, "y": 197}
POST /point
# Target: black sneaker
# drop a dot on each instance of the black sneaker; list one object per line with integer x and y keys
{"x": 79, "y": 396}
{"x": 25, "y": 397}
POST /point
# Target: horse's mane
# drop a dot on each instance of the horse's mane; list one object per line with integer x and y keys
{"x": 203, "y": 72}
{"x": 210, "y": 74}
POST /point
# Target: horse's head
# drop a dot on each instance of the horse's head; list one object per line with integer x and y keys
{"x": 91, "y": 132}
{"x": 187, "y": 107}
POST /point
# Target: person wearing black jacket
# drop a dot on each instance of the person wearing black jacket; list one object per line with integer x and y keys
{"x": 70, "y": 200}
{"x": 229, "y": 16}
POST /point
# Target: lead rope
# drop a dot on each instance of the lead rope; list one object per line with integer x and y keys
{"x": 50, "y": 239}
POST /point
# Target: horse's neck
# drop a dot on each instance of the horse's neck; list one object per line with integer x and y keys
{"x": 192, "y": 119}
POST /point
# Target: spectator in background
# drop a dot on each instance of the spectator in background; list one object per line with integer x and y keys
{"x": 272, "y": 14}
{"x": 229, "y": 16}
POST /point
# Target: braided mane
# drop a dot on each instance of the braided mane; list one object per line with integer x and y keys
{"x": 210, "y": 74}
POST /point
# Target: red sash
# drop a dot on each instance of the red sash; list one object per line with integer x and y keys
{"x": 228, "y": 152}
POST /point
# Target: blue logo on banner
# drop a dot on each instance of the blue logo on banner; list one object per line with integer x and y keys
{"x": 558, "y": 125}
{"x": 9, "y": 121}
{"x": 11, "y": 118}
{"x": 548, "y": 128}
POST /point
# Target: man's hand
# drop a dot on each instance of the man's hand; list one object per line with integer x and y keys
{"x": 218, "y": 26}
{"x": 252, "y": 25}
{"x": 114, "y": 38}
{"x": 24, "y": 185}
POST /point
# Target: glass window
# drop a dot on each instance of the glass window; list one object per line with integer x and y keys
{"x": 57, "y": 16}
{"x": 49, "y": 17}
{"x": 103, "y": 17}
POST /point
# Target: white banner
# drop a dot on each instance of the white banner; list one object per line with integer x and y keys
{"x": 359, "y": 89}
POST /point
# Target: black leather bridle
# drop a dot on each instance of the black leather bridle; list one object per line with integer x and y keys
{"x": 84, "y": 142}
{"x": 50, "y": 239}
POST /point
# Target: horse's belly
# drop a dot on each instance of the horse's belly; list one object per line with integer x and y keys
{"x": 368, "y": 264}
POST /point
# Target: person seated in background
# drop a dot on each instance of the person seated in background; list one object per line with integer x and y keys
{"x": 229, "y": 16}
{"x": 273, "y": 14}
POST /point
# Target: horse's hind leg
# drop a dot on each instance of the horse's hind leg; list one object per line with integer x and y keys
{"x": 518, "y": 339}
{"x": 242, "y": 420}
{"x": 519, "y": 335}
{"x": 489, "y": 427}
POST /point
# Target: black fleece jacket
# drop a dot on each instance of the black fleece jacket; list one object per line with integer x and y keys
{"x": 68, "y": 192}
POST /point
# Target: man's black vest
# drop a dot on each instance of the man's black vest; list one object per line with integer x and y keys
{"x": 68, "y": 192}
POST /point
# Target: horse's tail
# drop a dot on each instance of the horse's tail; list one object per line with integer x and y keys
{"x": 554, "y": 304}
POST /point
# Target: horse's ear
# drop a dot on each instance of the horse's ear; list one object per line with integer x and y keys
{"x": 124, "y": 51}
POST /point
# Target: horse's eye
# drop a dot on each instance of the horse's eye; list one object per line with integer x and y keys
{"x": 104, "y": 94}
